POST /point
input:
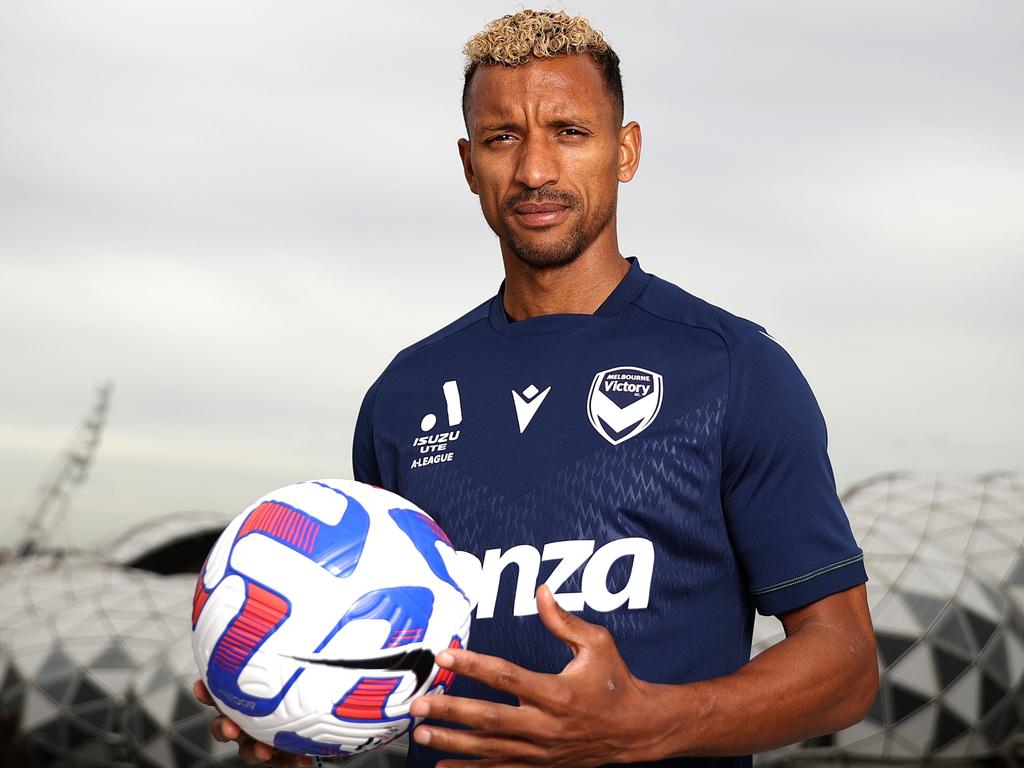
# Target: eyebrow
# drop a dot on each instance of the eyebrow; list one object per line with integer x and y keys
{"x": 495, "y": 127}
{"x": 559, "y": 122}
{"x": 568, "y": 122}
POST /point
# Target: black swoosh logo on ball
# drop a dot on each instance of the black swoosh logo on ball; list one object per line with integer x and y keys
{"x": 419, "y": 661}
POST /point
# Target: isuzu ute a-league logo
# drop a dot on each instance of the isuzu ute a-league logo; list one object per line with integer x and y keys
{"x": 436, "y": 448}
{"x": 623, "y": 402}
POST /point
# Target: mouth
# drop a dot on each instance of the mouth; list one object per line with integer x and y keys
{"x": 539, "y": 215}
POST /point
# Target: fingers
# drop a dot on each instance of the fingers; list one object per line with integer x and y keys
{"x": 482, "y": 744}
{"x": 497, "y": 673}
{"x": 480, "y": 715}
{"x": 221, "y": 728}
{"x": 288, "y": 760}
{"x": 225, "y": 730}
{"x": 567, "y": 627}
{"x": 202, "y": 694}
{"x": 251, "y": 751}
{"x": 254, "y": 752}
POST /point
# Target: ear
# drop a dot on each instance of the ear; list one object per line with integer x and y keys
{"x": 629, "y": 150}
{"x": 467, "y": 165}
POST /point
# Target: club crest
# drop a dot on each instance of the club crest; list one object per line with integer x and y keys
{"x": 623, "y": 402}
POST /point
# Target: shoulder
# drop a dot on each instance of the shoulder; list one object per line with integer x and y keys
{"x": 759, "y": 369}
{"x": 424, "y": 349}
{"x": 672, "y": 304}
{"x": 449, "y": 332}
{"x": 769, "y": 400}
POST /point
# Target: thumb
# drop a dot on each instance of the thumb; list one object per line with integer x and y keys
{"x": 567, "y": 627}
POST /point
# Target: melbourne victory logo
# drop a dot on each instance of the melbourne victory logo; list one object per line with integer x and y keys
{"x": 623, "y": 402}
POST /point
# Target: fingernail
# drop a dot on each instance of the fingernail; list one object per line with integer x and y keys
{"x": 422, "y": 735}
{"x": 445, "y": 659}
{"x": 420, "y": 708}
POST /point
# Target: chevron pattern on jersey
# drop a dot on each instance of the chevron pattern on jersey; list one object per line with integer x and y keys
{"x": 669, "y": 466}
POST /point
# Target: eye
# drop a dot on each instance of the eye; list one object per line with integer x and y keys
{"x": 500, "y": 138}
{"x": 573, "y": 132}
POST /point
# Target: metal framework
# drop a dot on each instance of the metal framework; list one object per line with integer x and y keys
{"x": 55, "y": 491}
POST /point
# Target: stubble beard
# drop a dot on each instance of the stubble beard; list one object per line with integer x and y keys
{"x": 559, "y": 253}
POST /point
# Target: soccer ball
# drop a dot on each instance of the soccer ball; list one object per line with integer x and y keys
{"x": 318, "y": 613}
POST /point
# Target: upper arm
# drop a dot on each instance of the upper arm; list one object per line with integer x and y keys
{"x": 365, "y": 467}
{"x": 785, "y": 520}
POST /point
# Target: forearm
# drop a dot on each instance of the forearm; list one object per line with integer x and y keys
{"x": 815, "y": 681}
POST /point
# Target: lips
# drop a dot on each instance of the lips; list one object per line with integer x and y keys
{"x": 538, "y": 207}
{"x": 534, "y": 215}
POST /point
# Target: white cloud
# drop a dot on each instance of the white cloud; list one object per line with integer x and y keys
{"x": 241, "y": 211}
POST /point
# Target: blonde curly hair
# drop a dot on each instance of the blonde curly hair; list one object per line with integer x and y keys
{"x": 516, "y": 38}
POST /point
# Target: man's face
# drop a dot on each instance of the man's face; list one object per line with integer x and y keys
{"x": 545, "y": 155}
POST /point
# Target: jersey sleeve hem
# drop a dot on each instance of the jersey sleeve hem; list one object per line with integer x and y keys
{"x": 810, "y": 587}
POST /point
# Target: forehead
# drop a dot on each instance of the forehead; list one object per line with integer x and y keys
{"x": 564, "y": 83}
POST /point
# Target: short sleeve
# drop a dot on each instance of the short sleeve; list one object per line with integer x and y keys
{"x": 365, "y": 468}
{"x": 787, "y": 525}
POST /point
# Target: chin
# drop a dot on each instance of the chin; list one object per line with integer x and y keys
{"x": 548, "y": 250}
{"x": 544, "y": 256}
{"x": 546, "y": 262}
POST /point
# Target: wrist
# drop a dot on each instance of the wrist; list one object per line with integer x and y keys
{"x": 670, "y": 720}
{"x": 656, "y": 732}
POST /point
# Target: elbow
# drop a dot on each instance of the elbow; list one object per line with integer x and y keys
{"x": 868, "y": 695}
{"x": 862, "y": 688}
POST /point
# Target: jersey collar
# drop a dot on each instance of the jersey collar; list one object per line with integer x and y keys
{"x": 625, "y": 292}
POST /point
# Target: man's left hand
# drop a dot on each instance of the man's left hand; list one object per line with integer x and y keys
{"x": 591, "y": 713}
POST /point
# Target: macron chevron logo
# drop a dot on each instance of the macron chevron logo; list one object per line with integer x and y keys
{"x": 527, "y": 404}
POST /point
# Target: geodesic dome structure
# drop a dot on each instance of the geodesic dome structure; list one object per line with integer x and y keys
{"x": 174, "y": 543}
{"x": 96, "y": 665}
{"x": 75, "y": 633}
{"x": 945, "y": 562}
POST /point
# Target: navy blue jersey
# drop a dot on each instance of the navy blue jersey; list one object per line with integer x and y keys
{"x": 661, "y": 464}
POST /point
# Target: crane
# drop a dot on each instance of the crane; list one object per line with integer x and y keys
{"x": 56, "y": 489}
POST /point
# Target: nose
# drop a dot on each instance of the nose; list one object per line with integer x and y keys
{"x": 538, "y": 163}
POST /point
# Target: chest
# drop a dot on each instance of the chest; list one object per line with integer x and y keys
{"x": 592, "y": 466}
{"x": 569, "y": 440}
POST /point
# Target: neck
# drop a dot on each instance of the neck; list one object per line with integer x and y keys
{"x": 579, "y": 287}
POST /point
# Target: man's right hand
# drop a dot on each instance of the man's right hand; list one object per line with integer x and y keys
{"x": 251, "y": 751}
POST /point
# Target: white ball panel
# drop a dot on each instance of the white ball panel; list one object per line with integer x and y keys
{"x": 318, "y": 600}
{"x": 217, "y": 561}
{"x": 312, "y": 498}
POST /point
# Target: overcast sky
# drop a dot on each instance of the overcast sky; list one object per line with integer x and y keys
{"x": 240, "y": 211}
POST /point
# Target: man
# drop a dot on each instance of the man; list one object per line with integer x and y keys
{"x": 659, "y": 463}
